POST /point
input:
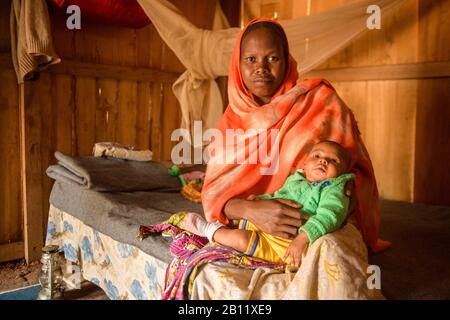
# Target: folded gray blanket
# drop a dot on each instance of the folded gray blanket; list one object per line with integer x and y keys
{"x": 110, "y": 174}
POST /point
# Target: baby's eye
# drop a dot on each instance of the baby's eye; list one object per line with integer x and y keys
{"x": 316, "y": 156}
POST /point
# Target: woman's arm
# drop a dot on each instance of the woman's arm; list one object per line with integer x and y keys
{"x": 277, "y": 217}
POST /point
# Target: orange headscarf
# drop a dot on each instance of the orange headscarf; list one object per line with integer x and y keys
{"x": 303, "y": 114}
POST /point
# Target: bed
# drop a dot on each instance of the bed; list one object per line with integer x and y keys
{"x": 97, "y": 230}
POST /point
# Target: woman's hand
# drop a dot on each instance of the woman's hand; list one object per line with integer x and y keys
{"x": 277, "y": 217}
{"x": 349, "y": 191}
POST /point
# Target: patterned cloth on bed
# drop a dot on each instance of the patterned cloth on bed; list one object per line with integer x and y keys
{"x": 121, "y": 270}
{"x": 335, "y": 267}
{"x": 192, "y": 253}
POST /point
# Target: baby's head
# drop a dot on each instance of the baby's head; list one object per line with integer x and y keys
{"x": 327, "y": 159}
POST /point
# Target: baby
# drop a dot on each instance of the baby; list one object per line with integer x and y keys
{"x": 318, "y": 187}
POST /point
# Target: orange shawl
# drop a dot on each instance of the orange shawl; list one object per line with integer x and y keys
{"x": 304, "y": 113}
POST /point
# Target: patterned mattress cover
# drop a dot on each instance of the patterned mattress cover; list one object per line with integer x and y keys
{"x": 123, "y": 271}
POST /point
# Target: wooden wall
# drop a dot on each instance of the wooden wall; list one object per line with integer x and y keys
{"x": 397, "y": 81}
{"x": 114, "y": 84}
{"x": 11, "y": 219}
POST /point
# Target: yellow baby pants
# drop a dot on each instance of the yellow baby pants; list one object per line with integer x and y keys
{"x": 263, "y": 245}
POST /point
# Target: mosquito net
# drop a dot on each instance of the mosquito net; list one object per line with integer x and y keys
{"x": 206, "y": 54}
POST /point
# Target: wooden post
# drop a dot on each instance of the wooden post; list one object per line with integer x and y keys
{"x": 30, "y": 159}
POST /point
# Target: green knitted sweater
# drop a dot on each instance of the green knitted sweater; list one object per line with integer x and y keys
{"x": 325, "y": 202}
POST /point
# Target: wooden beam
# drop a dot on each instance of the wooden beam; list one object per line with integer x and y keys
{"x": 112, "y": 71}
{"x": 31, "y": 174}
{"x": 424, "y": 70}
{"x": 11, "y": 251}
{"x": 385, "y": 72}
{"x": 96, "y": 70}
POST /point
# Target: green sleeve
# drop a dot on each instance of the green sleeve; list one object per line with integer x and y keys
{"x": 265, "y": 196}
{"x": 330, "y": 214}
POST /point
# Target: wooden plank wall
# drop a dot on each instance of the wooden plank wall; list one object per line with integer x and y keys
{"x": 114, "y": 84}
{"x": 11, "y": 219}
{"x": 432, "y": 180}
{"x": 402, "y": 101}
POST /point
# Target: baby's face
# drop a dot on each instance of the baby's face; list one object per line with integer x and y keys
{"x": 262, "y": 64}
{"x": 325, "y": 161}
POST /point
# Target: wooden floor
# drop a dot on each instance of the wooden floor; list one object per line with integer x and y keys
{"x": 88, "y": 291}
{"x": 18, "y": 274}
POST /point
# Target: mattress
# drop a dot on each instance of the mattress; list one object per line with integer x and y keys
{"x": 123, "y": 271}
{"x": 119, "y": 214}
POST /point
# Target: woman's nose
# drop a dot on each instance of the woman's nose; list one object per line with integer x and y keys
{"x": 261, "y": 67}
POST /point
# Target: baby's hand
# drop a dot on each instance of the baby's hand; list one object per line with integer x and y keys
{"x": 295, "y": 250}
{"x": 252, "y": 197}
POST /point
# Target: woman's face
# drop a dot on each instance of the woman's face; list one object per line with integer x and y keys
{"x": 262, "y": 64}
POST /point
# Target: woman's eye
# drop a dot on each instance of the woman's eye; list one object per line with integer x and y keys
{"x": 274, "y": 59}
{"x": 250, "y": 59}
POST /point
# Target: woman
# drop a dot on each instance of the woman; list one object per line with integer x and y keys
{"x": 283, "y": 119}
